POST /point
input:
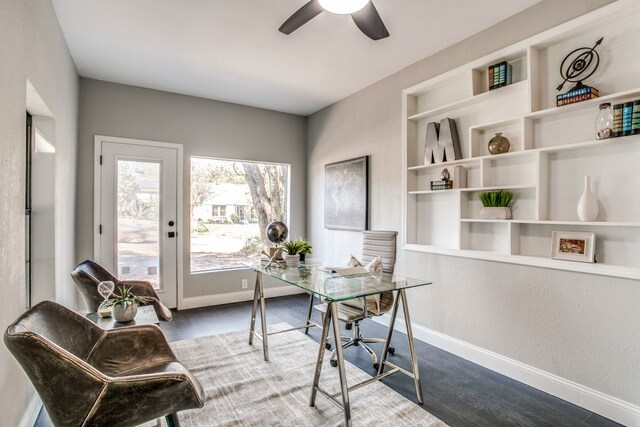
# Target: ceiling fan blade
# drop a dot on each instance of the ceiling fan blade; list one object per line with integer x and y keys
{"x": 303, "y": 15}
{"x": 370, "y": 23}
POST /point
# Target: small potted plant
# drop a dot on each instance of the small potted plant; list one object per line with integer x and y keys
{"x": 124, "y": 306}
{"x": 292, "y": 249}
{"x": 305, "y": 248}
{"x": 496, "y": 204}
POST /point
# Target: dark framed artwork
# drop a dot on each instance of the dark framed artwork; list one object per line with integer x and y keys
{"x": 346, "y": 194}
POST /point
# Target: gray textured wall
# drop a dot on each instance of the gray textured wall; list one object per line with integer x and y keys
{"x": 32, "y": 47}
{"x": 580, "y": 327}
{"x": 205, "y": 128}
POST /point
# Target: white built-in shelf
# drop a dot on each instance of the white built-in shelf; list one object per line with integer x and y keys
{"x": 470, "y": 100}
{"x": 590, "y": 103}
{"x": 627, "y": 272}
{"x": 498, "y": 187}
{"x": 572, "y": 146}
{"x": 445, "y": 164}
{"x": 446, "y": 225}
{"x": 473, "y": 189}
{"x": 552, "y": 222}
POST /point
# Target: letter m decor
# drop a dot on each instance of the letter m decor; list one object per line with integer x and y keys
{"x": 442, "y": 143}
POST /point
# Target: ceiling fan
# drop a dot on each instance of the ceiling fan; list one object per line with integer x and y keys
{"x": 363, "y": 12}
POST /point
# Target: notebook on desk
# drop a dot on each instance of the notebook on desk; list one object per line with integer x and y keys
{"x": 348, "y": 271}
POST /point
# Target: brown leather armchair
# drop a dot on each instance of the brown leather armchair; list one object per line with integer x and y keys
{"x": 89, "y": 273}
{"x": 88, "y": 376}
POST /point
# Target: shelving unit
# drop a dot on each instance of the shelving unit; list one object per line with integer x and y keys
{"x": 551, "y": 150}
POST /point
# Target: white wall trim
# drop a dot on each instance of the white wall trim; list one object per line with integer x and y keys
{"x": 231, "y": 297}
{"x": 31, "y": 413}
{"x": 608, "y": 406}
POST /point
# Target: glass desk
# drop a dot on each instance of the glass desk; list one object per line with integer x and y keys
{"x": 333, "y": 288}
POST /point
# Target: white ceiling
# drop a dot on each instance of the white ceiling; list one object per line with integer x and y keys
{"x": 231, "y": 50}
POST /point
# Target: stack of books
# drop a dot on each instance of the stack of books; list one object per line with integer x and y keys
{"x": 441, "y": 185}
{"x": 500, "y": 75}
{"x": 577, "y": 95}
{"x": 626, "y": 119}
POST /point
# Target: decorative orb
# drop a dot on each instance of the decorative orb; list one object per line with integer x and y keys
{"x": 444, "y": 176}
{"x": 277, "y": 232}
{"x": 498, "y": 144}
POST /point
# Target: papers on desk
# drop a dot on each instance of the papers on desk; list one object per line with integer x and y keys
{"x": 346, "y": 271}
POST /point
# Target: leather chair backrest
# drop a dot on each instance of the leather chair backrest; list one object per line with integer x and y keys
{"x": 58, "y": 325}
{"x": 380, "y": 243}
{"x": 52, "y": 343}
{"x": 87, "y": 275}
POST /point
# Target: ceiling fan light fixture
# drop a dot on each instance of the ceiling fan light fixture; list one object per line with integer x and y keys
{"x": 343, "y": 7}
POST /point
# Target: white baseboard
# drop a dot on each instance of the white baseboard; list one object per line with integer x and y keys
{"x": 31, "y": 414}
{"x": 231, "y": 297}
{"x": 608, "y": 406}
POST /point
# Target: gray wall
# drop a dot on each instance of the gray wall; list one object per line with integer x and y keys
{"x": 32, "y": 47}
{"x": 205, "y": 128}
{"x": 580, "y": 327}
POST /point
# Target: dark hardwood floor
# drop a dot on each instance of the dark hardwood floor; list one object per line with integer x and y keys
{"x": 458, "y": 392}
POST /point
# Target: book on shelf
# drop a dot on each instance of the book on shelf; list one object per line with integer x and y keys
{"x": 577, "y": 95}
{"x": 500, "y": 74}
{"x": 441, "y": 185}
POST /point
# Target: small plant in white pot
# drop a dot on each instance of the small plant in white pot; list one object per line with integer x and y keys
{"x": 496, "y": 204}
{"x": 124, "y": 306}
{"x": 292, "y": 249}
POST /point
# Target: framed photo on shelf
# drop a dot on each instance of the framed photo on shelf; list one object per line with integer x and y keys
{"x": 573, "y": 246}
{"x": 346, "y": 194}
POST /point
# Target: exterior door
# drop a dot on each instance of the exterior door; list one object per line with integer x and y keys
{"x": 137, "y": 212}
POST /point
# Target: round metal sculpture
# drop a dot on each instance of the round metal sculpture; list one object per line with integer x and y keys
{"x": 444, "y": 176}
{"x": 277, "y": 232}
{"x": 579, "y": 65}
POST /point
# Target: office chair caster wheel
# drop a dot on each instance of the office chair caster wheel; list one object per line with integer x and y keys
{"x": 327, "y": 346}
{"x": 334, "y": 363}
{"x": 391, "y": 351}
{"x": 376, "y": 366}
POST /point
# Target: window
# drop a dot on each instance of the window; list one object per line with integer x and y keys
{"x": 231, "y": 204}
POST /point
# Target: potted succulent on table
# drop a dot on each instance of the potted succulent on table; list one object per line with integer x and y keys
{"x": 124, "y": 306}
{"x": 496, "y": 204}
{"x": 292, "y": 249}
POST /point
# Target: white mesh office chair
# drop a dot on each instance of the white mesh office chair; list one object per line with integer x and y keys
{"x": 374, "y": 244}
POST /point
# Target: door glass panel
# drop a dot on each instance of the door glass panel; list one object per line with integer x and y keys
{"x": 138, "y": 221}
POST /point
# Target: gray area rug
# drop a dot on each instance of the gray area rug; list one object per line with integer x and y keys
{"x": 244, "y": 390}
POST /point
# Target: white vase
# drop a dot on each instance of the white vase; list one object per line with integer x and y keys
{"x": 588, "y": 204}
{"x": 124, "y": 315}
{"x": 292, "y": 261}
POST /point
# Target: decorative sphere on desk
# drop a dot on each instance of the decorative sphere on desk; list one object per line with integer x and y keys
{"x": 277, "y": 232}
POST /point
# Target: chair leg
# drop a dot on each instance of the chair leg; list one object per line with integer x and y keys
{"x": 372, "y": 340}
{"x": 372, "y": 354}
{"x": 172, "y": 420}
